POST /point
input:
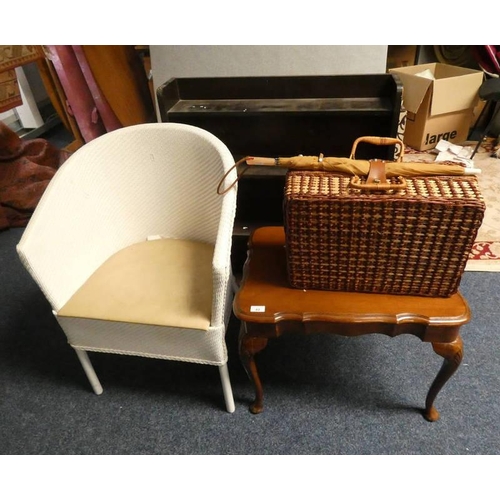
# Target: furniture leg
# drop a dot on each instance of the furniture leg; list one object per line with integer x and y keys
{"x": 249, "y": 346}
{"x": 89, "y": 370}
{"x": 452, "y": 352}
{"x": 226, "y": 388}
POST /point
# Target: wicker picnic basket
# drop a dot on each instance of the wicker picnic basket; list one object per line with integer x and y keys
{"x": 410, "y": 235}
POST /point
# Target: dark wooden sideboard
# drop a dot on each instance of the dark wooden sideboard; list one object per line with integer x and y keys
{"x": 283, "y": 116}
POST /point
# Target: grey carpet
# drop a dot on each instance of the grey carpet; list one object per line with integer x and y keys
{"x": 324, "y": 395}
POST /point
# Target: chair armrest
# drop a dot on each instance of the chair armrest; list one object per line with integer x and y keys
{"x": 221, "y": 262}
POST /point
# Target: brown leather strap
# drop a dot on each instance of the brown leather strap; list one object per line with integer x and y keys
{"x": 376, "y": 180}
{"x": 376, "y": 175}
{"x": 239, "y": 162}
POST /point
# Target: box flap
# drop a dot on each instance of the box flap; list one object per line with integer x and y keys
{"x": 453, "y": 89}
{"x": 414, "y": 87}
{"x": 455, "y": 93}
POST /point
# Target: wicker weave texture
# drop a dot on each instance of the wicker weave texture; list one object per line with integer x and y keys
{"x": 150, "y": 341}
{"x": 120, "y": 188}
{"x": 413, "y": 242}
{"x": 142, "y": 180}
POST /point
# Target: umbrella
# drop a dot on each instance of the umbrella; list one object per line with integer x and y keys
{"x": 358, "y": 167}
{"x": 351, "y": 166}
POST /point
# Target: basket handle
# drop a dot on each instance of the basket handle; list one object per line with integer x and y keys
{"x": 378, "y": 141}
{"x": 377, "y": 180}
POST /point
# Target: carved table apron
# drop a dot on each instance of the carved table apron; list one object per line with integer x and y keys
{"x": 268, "y": 307}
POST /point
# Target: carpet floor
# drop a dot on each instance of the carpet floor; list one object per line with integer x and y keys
{"x": 324, "y": 395}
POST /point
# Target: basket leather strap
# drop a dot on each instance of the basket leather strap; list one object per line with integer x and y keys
{"x": 376, "y": 180}
{"x": 376, "y": 175}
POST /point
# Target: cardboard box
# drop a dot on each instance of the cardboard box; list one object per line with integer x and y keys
{"x": 440, "y": 106}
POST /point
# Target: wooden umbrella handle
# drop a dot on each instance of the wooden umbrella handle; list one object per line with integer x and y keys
{"x": 378, "y": 141}
{"x": 260, "y": 160}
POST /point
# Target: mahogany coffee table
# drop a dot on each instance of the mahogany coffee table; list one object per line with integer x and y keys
{"x": 267, "y": 308}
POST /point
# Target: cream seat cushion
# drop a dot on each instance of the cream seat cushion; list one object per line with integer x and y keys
{"x": 163, "y": 282}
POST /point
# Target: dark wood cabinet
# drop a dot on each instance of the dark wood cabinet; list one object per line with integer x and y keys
{"x": 283, "y": 116}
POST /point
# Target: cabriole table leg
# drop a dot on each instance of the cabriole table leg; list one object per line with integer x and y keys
{"x": 249, "y": 346}
{"x": 452, "y": 352}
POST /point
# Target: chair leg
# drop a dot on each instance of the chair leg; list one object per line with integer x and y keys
{"x": 226, "y": 388}
{"x": 89, "y": 370}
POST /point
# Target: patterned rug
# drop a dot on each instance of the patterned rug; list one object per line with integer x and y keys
{"x": 485, "y": 255}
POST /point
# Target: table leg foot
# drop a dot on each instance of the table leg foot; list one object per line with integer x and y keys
{"x": 256, "y": 407}
{"x": 249, "y": 346}
{"x": 452, "y": 352}
{"x": 431, "y": 414}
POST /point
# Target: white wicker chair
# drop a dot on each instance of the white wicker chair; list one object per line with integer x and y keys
{"x": 131, "y": 245}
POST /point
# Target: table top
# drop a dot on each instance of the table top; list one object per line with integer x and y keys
{"x": 265, "y": 295}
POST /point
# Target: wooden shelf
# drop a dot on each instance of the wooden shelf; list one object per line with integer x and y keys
{"x": 309, "y": 105}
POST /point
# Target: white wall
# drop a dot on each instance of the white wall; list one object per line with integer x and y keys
{"x": 176, "y": 61}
